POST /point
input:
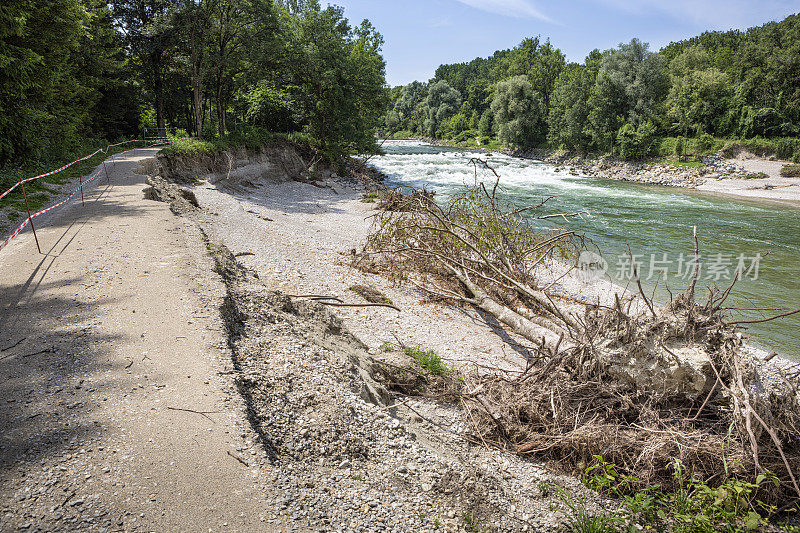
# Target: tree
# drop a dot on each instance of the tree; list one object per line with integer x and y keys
{"x": 629, "y": 88}
{"x": 636, "y": 143}
{"x": 411, "y": 95}
{"x": 150, "y": 35}
{"x": 442, "y": 103}
{"x": 568, "y": 117}
{"x": 339, "y": 77}
{"x": 698, "y": 93}
{"x": 518, "y": 112}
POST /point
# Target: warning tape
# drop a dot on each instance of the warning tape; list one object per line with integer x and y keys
{"x": 152, "y": 140}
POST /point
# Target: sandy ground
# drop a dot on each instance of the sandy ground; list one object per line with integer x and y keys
{"x": 775, "y": 188}
{"x": 300, "y": 240}
{"x": 103, "y": 341}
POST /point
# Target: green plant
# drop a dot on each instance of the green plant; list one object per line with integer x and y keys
{"x": 756, "y": 176}
{"x": 474, "y": 523}
{"x": 636, "y": 143}
{"x": 369, "y": 197}
{"x": 693, "y": 507}
{"x": 580, "y": 520}
{"x": 387, "y": 347}
{"x": 431, "y": 363}
{"x": 791, "y": 171}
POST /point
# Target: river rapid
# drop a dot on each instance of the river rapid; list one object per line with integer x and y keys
{"x": 760, "y": 240}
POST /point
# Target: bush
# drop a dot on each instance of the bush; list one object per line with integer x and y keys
{"x": 465, "y": 135}
{"x": 706, "y": 143}
{"x": 248, "y": 137}
{"x": 636, "y": 143}
{"x": 791, "y": 171}
{"x": 402, "y": 134}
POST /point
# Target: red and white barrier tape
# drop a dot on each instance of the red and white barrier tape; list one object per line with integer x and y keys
{"x": 72, "y": 194}
{"x": 84, "y": 158}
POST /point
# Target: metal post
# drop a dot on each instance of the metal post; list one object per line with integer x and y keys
{"x": 30, "y": 219}
{"x": 108, "y": 180}
{"x": 80, "y": 180}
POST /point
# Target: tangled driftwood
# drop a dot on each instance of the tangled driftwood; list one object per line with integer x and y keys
{"x": 637, "y": 384}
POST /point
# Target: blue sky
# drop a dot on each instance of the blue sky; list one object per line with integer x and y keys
{"x": 422, "y": 34}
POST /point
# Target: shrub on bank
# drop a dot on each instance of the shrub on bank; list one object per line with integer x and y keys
{"x": 781, "y": 147}
{"x": 636, "y": 143}
{"x": 247, "y": 137}
{"x": 791, "y": 171}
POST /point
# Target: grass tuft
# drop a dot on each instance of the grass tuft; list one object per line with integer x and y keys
{"x": 431, "y": 363}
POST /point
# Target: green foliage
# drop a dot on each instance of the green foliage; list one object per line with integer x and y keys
{"x": 791, "y": 171}
{"x": 718, "y": 85}
{"x": 466, "y": 136}
{"x": 270, "y": 107}
{"x": 442, "y": 103}
{"x": 629, "y": 86}
{"x": 518, "y": 112}
{"x": 431, "y": 363}
{"x": 485, "y": 124}
{"x": 698, "y": 94}
{"x": 251, "y": 138}
{"x": 387, "y": 346}
{"x": 568, "y": 117}
{"x": 694, "y": 507}
{"x": 339, "y": 75}
{"x": 636, "y": 143}
{"x": 86, "y": 69}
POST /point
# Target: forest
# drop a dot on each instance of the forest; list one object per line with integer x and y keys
{"x": 629, "y": 101}
{"x": 74, "y": 73}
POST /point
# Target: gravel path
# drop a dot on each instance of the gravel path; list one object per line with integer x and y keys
{"x": 102, "y": 342}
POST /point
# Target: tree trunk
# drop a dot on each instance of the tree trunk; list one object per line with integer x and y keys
{"x": 534, "y": 332}
{"x": 220, "y": 105}
{"x": 158, "y": 89}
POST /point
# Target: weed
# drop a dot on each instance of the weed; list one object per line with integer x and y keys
{"x": 756, "y": 176}
{"x": 475, "y": 524}
{"x": 580, "y": 520}
{"x": 387, "y": 347}
{"x": 791, "y": 171}
{"x": 369, "y": 197}
{"x": 431, "y": 363}
{"x": 694, "y": 506}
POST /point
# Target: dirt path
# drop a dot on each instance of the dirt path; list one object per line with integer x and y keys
{"x": 107, "y": 345}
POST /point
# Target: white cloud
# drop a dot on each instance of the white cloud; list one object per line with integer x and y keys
{"x": 717, "y": 14}
{"x": 509, "y": 8}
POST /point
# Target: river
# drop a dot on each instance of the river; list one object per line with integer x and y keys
{"x": 759, "y": 239}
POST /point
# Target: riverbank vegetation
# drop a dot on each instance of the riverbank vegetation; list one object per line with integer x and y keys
{"x": 687, "y": 99}
{"x": 76, "y": 72}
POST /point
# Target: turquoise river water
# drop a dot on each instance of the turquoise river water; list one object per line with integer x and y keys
{"x": 759, "y": 239}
